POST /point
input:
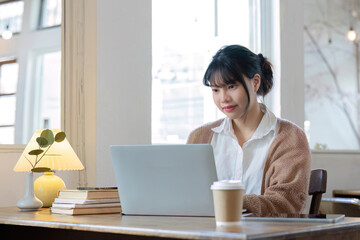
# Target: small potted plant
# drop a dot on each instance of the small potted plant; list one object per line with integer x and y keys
{"x": 45, "y": 141}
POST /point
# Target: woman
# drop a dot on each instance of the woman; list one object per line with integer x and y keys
{"x": 270, "y": 155}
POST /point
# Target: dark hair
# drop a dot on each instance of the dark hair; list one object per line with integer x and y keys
{"x": 234, "y": 61}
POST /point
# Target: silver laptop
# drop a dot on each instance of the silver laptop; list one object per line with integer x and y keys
{"x": 165, "y": 179}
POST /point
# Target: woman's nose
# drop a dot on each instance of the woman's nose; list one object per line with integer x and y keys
{"x": 224, "y": 96}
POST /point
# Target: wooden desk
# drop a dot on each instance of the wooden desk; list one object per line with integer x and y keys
{"x": 347, "y": 193}
{"x": 43, "y": 225}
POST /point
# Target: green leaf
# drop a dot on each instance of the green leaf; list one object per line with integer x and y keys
{"x": 60, "y": 137}
{"x": 43, "y": 142}
{"x": 40, "y": 169}
{"x": 36, "y": 152}
{"x": 48, "y": 134}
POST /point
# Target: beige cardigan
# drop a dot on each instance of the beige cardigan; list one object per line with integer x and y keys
{"x": 285, "y": 182}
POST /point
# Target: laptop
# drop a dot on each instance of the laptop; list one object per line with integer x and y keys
{"x": 165, "y": 179}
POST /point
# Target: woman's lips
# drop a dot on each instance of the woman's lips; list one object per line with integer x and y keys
{"x": 229, "y": 108}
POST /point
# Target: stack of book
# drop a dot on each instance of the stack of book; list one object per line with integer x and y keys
{"x": 88, "y": 201}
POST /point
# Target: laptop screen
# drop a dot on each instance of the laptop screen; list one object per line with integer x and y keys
{"x": 165, "y": 179}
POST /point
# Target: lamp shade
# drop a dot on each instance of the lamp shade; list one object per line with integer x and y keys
{"x": 60, "y": 156}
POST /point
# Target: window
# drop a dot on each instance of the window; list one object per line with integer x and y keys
{"x": 50, "y": 13}
{"x": 332, "y": 74}
{"x": 48, "y": 101}
{"x": 186, "y": 34}
{"x": 35, "y": 99}
{"x": 11, "y": 16}
{"x": 8, "y": 85}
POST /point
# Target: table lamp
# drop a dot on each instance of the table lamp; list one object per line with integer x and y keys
{"x": 47, "y": 150}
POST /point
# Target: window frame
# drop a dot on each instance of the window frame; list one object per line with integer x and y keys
{"x": 25, "y": 59}
{"x": 40, "y": 18}
{"x": 73, "y": 96}
{"x": 2, "y": 63}
{"x": 35, "y": 103}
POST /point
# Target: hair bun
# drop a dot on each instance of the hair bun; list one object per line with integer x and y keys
{"x": 261, "y": 57}
{"x": 266, "y": 76}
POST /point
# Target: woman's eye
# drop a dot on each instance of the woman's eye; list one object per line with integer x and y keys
{"x": 231, "y": 86}
{"x": 214, "y": 90}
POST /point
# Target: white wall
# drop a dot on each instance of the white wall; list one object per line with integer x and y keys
{"x": 343, "y": 169}
{"x": 123, "y": 79}
{"x": 292, "y": 61}
{"x": 12, "y": 185}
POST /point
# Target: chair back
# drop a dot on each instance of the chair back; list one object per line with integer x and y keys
{"x": 317, "y": 187}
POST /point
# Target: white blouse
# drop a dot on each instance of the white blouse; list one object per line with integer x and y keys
{"x": 244, "y": 163}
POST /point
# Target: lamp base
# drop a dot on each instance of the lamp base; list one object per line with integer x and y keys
{"x": 29, "y": 202}
{"x": 47, "y": 188}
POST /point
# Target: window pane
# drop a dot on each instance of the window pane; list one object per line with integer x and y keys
{"x": 50, "y": 13}
{"x": 186, "y": 34}
{"x": 50, "y": 108}
{"x": 7, "y": 135}
{"x": 11, "y": 16}
{"x": 7, "y": 108}
{"x": 332, "y": 103}
{"x": 8, "y": 78}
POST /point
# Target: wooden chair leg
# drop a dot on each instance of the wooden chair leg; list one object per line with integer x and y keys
{"x": 315, "y": 204}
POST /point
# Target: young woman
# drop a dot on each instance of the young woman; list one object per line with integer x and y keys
{"x": 270, "y": 155}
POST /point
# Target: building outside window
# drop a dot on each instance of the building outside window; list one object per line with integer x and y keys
{"x": 50, "y": 13}
{"x": 11, "y": 16}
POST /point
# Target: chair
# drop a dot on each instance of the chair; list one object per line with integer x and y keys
{"x": 317, "y": 187}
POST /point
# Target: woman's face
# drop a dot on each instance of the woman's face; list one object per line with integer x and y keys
{"x": 232, "y": 99}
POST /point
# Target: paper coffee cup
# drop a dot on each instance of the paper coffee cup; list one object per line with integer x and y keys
{"x": 228, "y": 202}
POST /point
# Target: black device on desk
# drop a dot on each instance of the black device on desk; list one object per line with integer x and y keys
{"x": 292, "y": 217}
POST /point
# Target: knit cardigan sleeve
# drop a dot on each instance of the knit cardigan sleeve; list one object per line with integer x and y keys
{"x": 286, "y": 174}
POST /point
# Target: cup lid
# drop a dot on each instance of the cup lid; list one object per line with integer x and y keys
{"x": 227, "y": 185}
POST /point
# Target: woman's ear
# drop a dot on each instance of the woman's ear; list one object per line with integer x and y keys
{"x": 256, "y": 82}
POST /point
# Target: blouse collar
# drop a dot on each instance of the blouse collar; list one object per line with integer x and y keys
{"x": 266, "y": 125}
